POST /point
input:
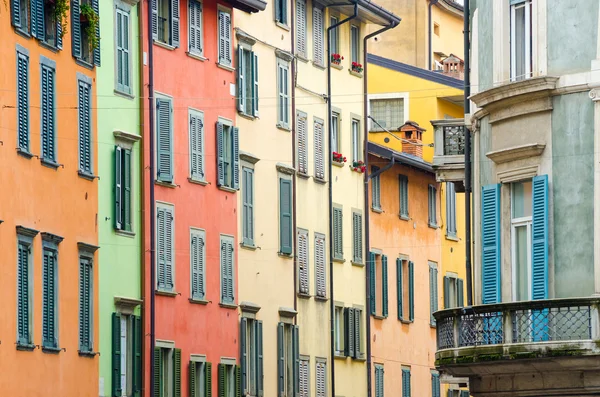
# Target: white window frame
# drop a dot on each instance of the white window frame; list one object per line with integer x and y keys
{"x": 526, "y": 221}
{"x": 392, "y": 95}
{"x": 169, "y": 351}
{"x": 354, "y": 46}
{"x": 356, "y": 139}
{"x": 339, "y": 329}
{"x": 516, "y": 4}
{"x": 283, "y": 98}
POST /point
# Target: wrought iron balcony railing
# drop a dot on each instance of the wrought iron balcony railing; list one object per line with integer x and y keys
{"x": 519, "y": 322}
{"x": 454, "y": 140}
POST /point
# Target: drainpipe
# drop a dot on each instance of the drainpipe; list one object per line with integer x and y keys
{"x": 330, "y": 186}
{"x": 293, "y": 116}
{"x": 468, "y": 187}
{"x": 366, "y": 193}
{"x": 431, "y": 3}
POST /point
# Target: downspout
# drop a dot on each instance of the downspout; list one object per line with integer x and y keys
{"x": 330, "y": 186}
{"x": 429, "y": 18}
{"x": 293, "y": 116}
{"x": 468, "y": 188}
{"x": 366, "y": 198}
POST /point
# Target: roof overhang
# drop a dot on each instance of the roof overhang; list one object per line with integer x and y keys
{"x": 400, "y": 158}
{"x": 248, "y": 5}
{"x": 368, "y": 12}
{"x": 458, "y": 100}
{"x": 452, "y": 7}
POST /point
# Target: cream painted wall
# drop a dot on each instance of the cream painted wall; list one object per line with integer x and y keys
{"x": 450, "y": 38}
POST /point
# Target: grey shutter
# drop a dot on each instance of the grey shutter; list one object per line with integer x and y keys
{"x": 169, "y": 254}
{"x": 302, "y": 134}
{"x": 248, "y": 206}
{"x": 197, "y": 146}
{"x": 411, "y": 291}
{"x": 224, "y": 38}
{"x": 259, "y": 357}
{"x": 76, "y": 29}
{"x": 403, "y": 182}
{"x": 319, "y": 151}
{"x": 227, "y": 295}
{"x": 301, "y": 27}
{"x": 375, "y": 190}
{"x": 318, "y": 35}
{"x": 96, "y": 8}
{"x": 447, "y": 292}
{"x": 378, "y": 381}
{"x": 23, "y": 318}
{"x": 23, "y": 100}
{"x": 302, "y": 256}
{"x": 154, "y": 19}
{"x": 197, "y": 259}
{"x": 47, "y": 122}
{"x": 235, "y": 157}
{"x": 85, "y": 149}
{"x": 241, "y": 102}
{"x": 338, "y": 250}
{"x": 357, "y": 237}
{"x": 349, "y": 343}
{"x": 384, "y": 286}
{"x": 435, "y": 385}
{"x": 461, "y": 291}
{"x": 48, "y": 299}
{"x": 320, "y": 273}
{"x": 160, "y": 246}
{"x": 285, "y": 216}
{"x": 296, "y": 358}
{"x": 59, "y": 34}
{"x": 243, "y": 354}
{"x": 118, "y": 188}
{"x": 174, "y": 23}
{"x": 85, "y": 310}
{"x": 280, "y": 361}
{"x": 230, "y": 273}
{"x": 357, "y": 335}
{"x": 195, "y": 27}
{"x": 164, "y": 124}
{"x": 220, "y": 130}
{"x": 321, "y": 381}
{"x": 304, "y": 386}
{"x": 255, "y": 95}
{"x": 399, "y": 288}
{"x": 433, "y": 293}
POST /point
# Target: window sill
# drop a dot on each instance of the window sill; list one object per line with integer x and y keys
{"x": 88, "y": 354}
{"x": 24, "y": 153}
{"x": 355, "y": 74}
{"x": 321, "y": 298}
{"x": 228, "y": 305}
{"x": 452, "y": 238}
{"x": 359, "y": 264}
{"x": 361, "y": 358}
{"x": 433, "y": 326}
{"x": 171, "y": 294}
{"x": 84, "y": 63}
{"x": 433, "y": 226}
{"x": 282, "y": 25}
{"x": 228, "y": 189}
{"x": 51, "y": 350}
{"x": 165, "y": 184}
{"x": 337, "y": 164}
{"x": 304, "y": 295}
{"x": 377, "y": 210}
{"x": 283, "y": 127}
{"x": 285, "y": 256}
{"x": 339, "y": 356}
{"x": 25, "y": 347}
{"x": 303, "y": 175}
{"x": 225, "y": 67}
{"x": 125, "y": 233}
{"x": 197, "y": 181}
{"x": 49, "y": 163}
{"x": 246, "y": 115}
{"x": 379, "y": 317}
{"x": 164, "y": 45}
{"x": 318, "y": 66}
{"x": 87, "y": 175}
{"x": 404, "y": 217}
{"x": 123, "y": 94}
{"x": 198, "y": 301}
{"x": 302, "y": 58}
{"x": 339, "y": 260}
{"x": 49, "y": 46}
{"x": 250, "y": 247}
{"x": 23, "y": 33}
{"x": 407, "y": 322}
{"x": 337, "y": 66}
{"x": 198, "y": 57}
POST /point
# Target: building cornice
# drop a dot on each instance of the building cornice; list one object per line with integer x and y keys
{"x": 507, "y": 94}
{"x": 516, "y": 153}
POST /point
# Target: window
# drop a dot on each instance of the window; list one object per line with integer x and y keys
{"x": 320, "y": 263}
{"x": 24, "y": 293}
{"x": 375, "y": 190}
{"x": 378, "y": 279}
{"x": 48, "y": 113}
{"x": 319, "y": 149}
{"x": 23, "y": 99}
{"x": 405, "y": 382}
{"x": 126, "y": 354}
{"x": 50, "y": 293}
{"x": 198, "y": 263}
{"x": 196, "y": 131}
{"x": 340, "y": 332}
{"x": 122, "y": 189}
{"x": 318, "y": 33}
{"x": 338, "y": 230}
{"x": 247, "y": 75}
{"x": 122, "y": 51}
{"x": 388, "y": 113}
{"x": 406, "y": 289}
{"x": 252, "y": 356}
{"x": 321, "y": 380}
{"x": 165, "y": 21}
{"x": 248, "y": 206}
{"x": 521, "y": 65}
{"x": 165, "y": 247}
{"x": 453, "y": 292}
{"x": 379, "y": 389}
{"x": 521, "y": 241}
{"x": 167, "y": 360}
{"x": 302, "y": 134}
{"x": 281, "y": 11}
{"x": 335, "y": 133}
{"x": 84, "y": 47}
{"x": 433, "y": 292}
{"x": 432, "y": 200}
{"x": 357, "y": 237}
{"x": 352, "y": 332}
{"x": 20, "y": 14}
{"x": 228, "y": 380}
{"x": 458, "y": 393}
{"x": 200, "y": 377}
{"x": 228, "y": 174}
{"x": 301, "y": 27}
{"x": 37, "y": 18}
{"x": 335, "y": 36}
{"x": 164, "y": 139}
{"x": 195, "y": 23}
{"x": 84, "y": 111}
{"x": 450, "y": 209}
{"x": 403, "y": 183}
{"x": 283, "y": 103}
{"x": 227, "y": 270}
{"x": 224, "y": 49}
{"x": 285, "y": 216}
{"x": 304, "y": 372}
{"x": 436, "y": 29}
{"x": 354, "y": 44}
{"x": 287, "y": 358}
{"x": 86, "y": 304}
{"x": 356, "y": 141}
{"x": 302, "y": 258}
{"x": 435, "y": 384}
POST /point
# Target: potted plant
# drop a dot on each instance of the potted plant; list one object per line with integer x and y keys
{"x": 60, "y": 13}
{"x": 90, "y": 22}
{"x": 336, "y": 59}
{"x": 338, "y": 157}
{"x": 357, "y": 67}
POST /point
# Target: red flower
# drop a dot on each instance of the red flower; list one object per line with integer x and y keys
{"x": 344, "y": 159}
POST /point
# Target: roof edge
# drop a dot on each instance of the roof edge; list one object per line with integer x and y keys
{"x": 400, "y": 158}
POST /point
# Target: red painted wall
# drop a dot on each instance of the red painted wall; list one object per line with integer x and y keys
{"x": 196, "y": 329}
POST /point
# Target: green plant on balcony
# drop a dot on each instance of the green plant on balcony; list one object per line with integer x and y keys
{"x": 90, "y": 20}
{"x": 61, "y": 14}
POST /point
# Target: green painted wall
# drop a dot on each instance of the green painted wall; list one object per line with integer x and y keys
{"x": 573, "y": 189}
{"x": 120, "y": 255}
{"x": 485, "y": 45}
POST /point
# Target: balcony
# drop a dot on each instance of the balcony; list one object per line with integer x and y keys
{"x": 449, "y": 154}
{"x": 533, "y": 348}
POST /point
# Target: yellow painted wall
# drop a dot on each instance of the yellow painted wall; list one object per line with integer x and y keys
{"x": 450, "y": 39}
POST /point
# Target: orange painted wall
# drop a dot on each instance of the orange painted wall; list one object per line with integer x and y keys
{"x": 196, "y": 329}
{"x": 48, "y": 200}
{"x": 396, "y": 344}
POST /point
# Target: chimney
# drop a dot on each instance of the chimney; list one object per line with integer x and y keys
{"x": 413, "y": 138}
{"x": 454, "y": 67}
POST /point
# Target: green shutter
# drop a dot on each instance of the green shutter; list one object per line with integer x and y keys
{"x": 76, "y": 29}
{"x": 235, "y": 163}
{"x": 126, "y": 180}
{"x": 192, "y": 379}
{"x": 357, "y": 346}
{"x": 164, "y": 123}
{"x": 85, "y": 308}
{"x": 285, "y": 216}
{"x": 222, "y": 380}
{"x": 243, "y": 355}
{"x": 241, "y": 102}
{"x": 375, "y": 190}
{"x": 372, "y": 283}
{"x": 96, "y": 8}
{"x": 47, "y": 99}
{"x": 175, "y": 23}
{"x": 446, "y": 292}
{"x": 357, "y": 237}
{"x": 248, "y": 206}
{"x": 158, "y": 372}
{"x": 138, "y": 345}
{"x": 23, "y": 337}
{"x": 220, "y": 129}
{"x": 405, "y": 383}
{"x": 177, "y": 372}
{"x": 208, "y": 379}
{"x": 280, "y": 360}
{"x": 349, "y": 332}
{"x": 118, "y": 188}
{"x": 116, "y": 355}
{"x": 161, "y": 215}
{"x": 384, "y": 286}
{"x": 255, "y": 85}
{"x": 296, "y": 358}
{"x": 411, "y": 290}
{"x": 49, "y": 338}
{"x": 238, "y": 381}
{"x": 464, "y": 393}
{"x": 23, "y": 101}
{"x": 461, "y": 292}
{"x": 338, "y": 241}
{"x": 85, "y": 149}
{"x": 399, "y": 288}
{"x": 259, "y": 358}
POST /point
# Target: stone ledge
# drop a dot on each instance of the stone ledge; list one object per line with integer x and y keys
{"x": 516, "y": 153}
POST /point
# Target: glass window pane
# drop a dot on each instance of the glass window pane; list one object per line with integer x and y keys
{"x": 521, "y": 264}
{"x": 521, "y": 199}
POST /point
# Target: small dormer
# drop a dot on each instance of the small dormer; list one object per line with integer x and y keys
{"x": 453, "y": 66}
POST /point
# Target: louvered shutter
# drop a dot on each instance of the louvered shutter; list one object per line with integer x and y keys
{"x": 301, "y": 27}
{"x": 241, "y": 78}
{"x": 15, "y": 11}
{"x": 378, "y": 381}
{"x": 321, "y": 274}
{"x": 411, "y": 291}
{"x": 384, "y": 286}
{"x": 539, "y": 238}
{"x": 461, "y": 292}
{"x": 175, "y": 23}
{"x": 447, "y": 303}
{"x": 37, "y": 19}
{"x": 399, "y": 289}
{"x": 338, "y": 250}
{"x": 349, "y": 331}
{"x": 23, "y": 295}
{"x": 357, "y": 333}
{"x": 435, "y": 385}
{"x": 303, "y": 379}
{"x": 464, "y": 393}
{"x": 259, "y": 357}
{"x": 285, "y": 216}
{"x": 321, "y": 381}
{"x": 164, "y": 124}
{"x": 193, "y": 386}
{"x": 375, "y": 190}
{"x": 137, "y": 356}
{"x": 280, "y": 360}
{"x": 238, "y": 381}
{"x": 319, "y": 151}
{"x": 85, "y": 343}
{"x": 154, "y": 19}
{"x": 177, "y": 372}
{"x": 372, "y": 283}
{"x": 48, "y": 300}
{"x": 248, "y": 206}
{"x": 296, "y": 358}
{"x": 220, "y": 154}
{"x": 433, "y": 293}
{"x": 243, "y": 354}
{"x": 197, "y": 258}
{"x": 127, "y": 189}
{"x": 318, "y": 35}
{"x": 158, "y": 372}
{"x": 490, "y": 233}
{"x": 169, "y": 254}
{"x": 403, "y": 182}
{"x": 59, "y": 34}
{"x": 227, "y": 271}
{"x": 197, "y": 146}
{"x": 405, "y": 383}
{"x": 302, "y": 135}
{"x": 96, "y": 8}
{"x": 230, "y": 273}
{"x": 224, "y": 38}
{"x": 76, "y": 28}
{"x": 161, "y": 247}
{"x": 118, "y": 188}
{"x": 235, "y": 137}
{"x": 303, "y": 261}
{"x": 47, "y": 100}
{"x": 221, "y": 374}
{"x": 195, "y": 27}
{"x": 85, "y": 149}
{"x": 208, "y": 380}
{"x": 255, "y": 91}
{"x": 357, "y": 237}
{"x": 116, "y": 355}
{"x": 23, "y": 100}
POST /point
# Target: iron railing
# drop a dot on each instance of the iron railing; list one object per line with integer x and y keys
{"x": 518, "y": 322}
{"x": 454, "y": 139}
{"x": 163, "y": 28}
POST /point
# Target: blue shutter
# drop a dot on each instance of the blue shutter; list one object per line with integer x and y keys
{"x": 435, "y": 385}
{"x": 175, "y": 23}
{"x": 164, "y": 125}
{"x": 33, "y": 18}
{"x": 47, "y": 122}
{"x": 59, "y": 34}
{"x": 49, "y": 337}
{"x": 76, "y": 29}
{"x": 15, "y": 11}
{"x": 96, "y": 9}
{"x": 539, "y": 239}
{"x": 384, "y": 286}
{"x": 259, "y": 357}
{"x": 399, "y": 288}
{"x": 23, "y": 318}
{"x": 372, "y": 288}
{"x": 490, "y": 232}
{"x": 23, "y": 100}
{"x": 116, "y": 355}
{"x": 84, "y": 122}
{"x": 285, "y": 216}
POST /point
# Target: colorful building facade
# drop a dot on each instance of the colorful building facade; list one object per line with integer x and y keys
{"x": 49, "y": 201}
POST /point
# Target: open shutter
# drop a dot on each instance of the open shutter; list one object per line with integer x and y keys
{"x": 137, "y": 356}
{"x": 37, "y": 21}
{"x": 49, "y": 304}
{"x": 243, "y": 355}
{"x": 433, "y": 293}
{"x": 235, "y": 135}
{"x": 349, "y": 331}
{"x": 23, "y": 100}
{"x": 154, "y": 19}
{"x": 127, "y": 190}
{"x": 446, "y": 292}
{"x": 302, "y": 256}
{"x": 259, "y": 357}
{"x": 490, "y": 233}
{"x": 96, "y": 8}
{"x": 301, "y": 27}
{"x": 76, "y": 29}
{"x": 221, "y": 49}
{"x": 357, "y": 237}
{"x": 174, "y": 23}
{"x": 280, "y": 361}
{"x": 59, "y": 34}
{"x": 357, "y": 346}
{"x": 321, "y": 282}
{"x": 241, "y": 102}
{"x": 222, "y": 369}
{"x": 197, "y": 264}
{"x": 177, "y": 372}
{"x": 116, "y": 355}
{"x": 338, "y": 222}
{"x": 318, "y": 35}
{"x": 238, "y": 381}
{"x": 196, "y": 146}
{"x": 255, "y": 86}
{"x": 319, "y": 151}
{"x": 461, "y": 292}
{"x": 220, "y": 154}
{"x": 372, "y": 288}
{"x": 192, "y": 379}
{"x": 399, "y": 288}
{"x": 158, "y": 372}
{"x": 118, "y": 188}
{"x": 169, "y": 283}
{"x": 296, "y": 358}
{"x": 539, "y": 238}
{"x": 285, "y": 216}
{"x": 164, "y": 142}
{"x": 411, "y": 290}
{"x": 160, "y": 247}
{"x": 15, "y": 11}
{"x": 384, "y": 286}
{"x": 208, "y": 380}
{"x": 302, "y": 143}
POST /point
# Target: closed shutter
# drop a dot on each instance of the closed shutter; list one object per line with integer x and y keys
{"x": 85, "y": 301}
{"x": 243, "y": 354}
{"x": 241, "y": 79}
{"x": 116, "y": 355}
{"x": 49, "y": 300}
{"x": 285, "y": 216}
{"x": 122, "y": 51}
{"x": 464, "y": 393}
{"x": 137, "y": 356}
{"x": 47, "y": 100}
{"x": 403, "y": 195}
{"x": 208, "y": 380}
{"x": 23, "y": 295}
{"x": 197, "y": 146}
{"x": 357, "y": 333}
{"x": 432, "y": 206}
{"x": 175, "y": 23}
{"x": 177, "y": 371}
{"x": 23, "y": 100}
{"x": 84, "y": 110}
{"x": 490, "y": 233}
{"x": 224, "y": 38}
{"x": 154, "y": 19}
{"x": 433, "y": 293}
{"x": 127, "y": 189}
{"x": 379, "y": 381}
{"x": 158, "y": 372}
{"x": 222, "y": 387}
{"x": 160, "y": 246}
{"x": 301, "y": 27}
{"x": 447, "y": 303}
{"x": 375, "y": 190}
{"x": 259, "y": 357}
{"x": 338, "y": 249}
{"x": 302, "y": 134}
{"x": 303, "y": 261}
{"x": 384, "y": 286}
{"x": 450, "y": 209}
{"x": 319, "y": 151}
{"x": 435, "y": 385}
{"x": 296, "y": 358}
{"x": 318, "y": 35}
{"x": 411, "y": 291}
{"x": 321, "y": 275}
{"x": 349, "y": 331}
{"x": 461, "y": 292}
{"x": 96, "y": 8}
{"x": 357, "y": 230}
{"x": 372, "y": 283}
{"x": 118, "y": 188}
{"x": 255, "y": 91}
{"x": 197, "y": 257}
{"x": 248, "y": 206}
{"x": 280, "y": 360}
{"x": 399, "y": 289}
{"x": 164, "y": 123}
{"x": 192, "y": 384}
{"x": 235, "y": 166}
{"x": 76, "y": 28}
{"x": 405, "y": 383}
{"x": 321, "y": 379}
{"x": 220, "y": 130}
{"x": 169, "y": 254}
{"x": 195, "y": 27}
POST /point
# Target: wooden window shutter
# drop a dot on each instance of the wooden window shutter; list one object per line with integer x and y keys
{"x": 84, "y": 110}
{"x": 23, "y": 305}
{"x": 255, "y": 92}
{"x": 196, "y": 146}
{"x": 320, "y": 264}
{"x": 158, "y": 372}
{"x": 220, "y": 130}
{"x": 490, "y": 234}
{"x": 137, "y": 356}
{"x": 197, "y": 259}
{"x": 235, "y": 156}
{"x": 338, "y": 241}
{"x": 285, "y": 216}
{"x": 259, "y": 357}
{"x": 384, "y": 292}
{"x": 349, "y": 331}
{"x": 302, "y": 134}
{"x": 447, "y": 303}
{"x": 75, "y": 28}
{"x": 301, "y": 27}
{"x": 411, "y": 291}
{"x": 241, "y": 78}
{"x": 372, "y": 283}
{"x": 303, "y": 261}
{"x": 318, "y": 34}
{"x": 461, "y": 290}
{"x": 539, "y": 238}
{"x": 222, "y": 381}
{"x": 161, "y": 248}
{"x": 195, "y": 27}
{"x": 319, "y": 150}
{"x": 177, "y": 371}
{"x": 208, "y": 379}
{"x": 357, "y": 333}
{"x": 49, "y": 337}
{"x": 174, "y": 23}
{"x": 164, "y": 125}
{"x": 243, "y": 354}
{"x": 296, "y": 358}
{"x": 116, "y": 355}
{"x": 193, "y": 386}
{"x": 85, "y": 309}
{"x": 96, "y": 8}
{"x": 169, "y": 254}
{"x": 118, "y": 216}
{"x": 357, "y": 230}
{"x": 154, "y": 6}
{"x": 126, "y": 180}
{"x": 399, "y": 288}
{"x": 280, "y": 360}
{"x": 23, "y": 100}
{"x": 248, "y": 206}
{"x": 48, "y": 128}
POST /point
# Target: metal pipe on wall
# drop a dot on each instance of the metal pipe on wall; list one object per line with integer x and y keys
{"x": 468, "y": 186}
